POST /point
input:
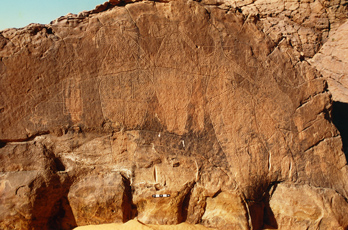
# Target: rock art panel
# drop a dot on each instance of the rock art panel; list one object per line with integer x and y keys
{"x": 203, "y": 112}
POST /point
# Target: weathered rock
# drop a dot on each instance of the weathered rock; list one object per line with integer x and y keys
{"x": 305, "y": 207}
{"x": 304, "y": 24}
{"x": 211, "y": 104}
{"x": 332, "y": 61}
{"x": 226, "y": 211}
{"x": 33, "y": 191}
{"x": 100, "y": 198}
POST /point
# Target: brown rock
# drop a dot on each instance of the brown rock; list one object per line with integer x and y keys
{"x": 101, "y": 198}
{"x": 210, "y": 104}
{"x": 332, "y": 61}
{"x": 226, "y": 211}
{"x": 33, "y": 192}
{"x": 305, "y": 207}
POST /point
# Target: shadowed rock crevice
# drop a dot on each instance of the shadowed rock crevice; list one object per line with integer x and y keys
{"x": 62, "y": 217}
{"x": 340, "y": 119}
{"x": 261, "y": 213}
{"x": 2, "y": 144}
{"x": 185, "y": 205}
{"x": 128, "y": 208}
{"x": 29, "y": 137}
{"x": 59, "y": 165}
{"x": 51, "y": 208}
{"x": 269, "y": 220}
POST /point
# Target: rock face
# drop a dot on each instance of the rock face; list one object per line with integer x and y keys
{"x": 332, "y": 61}
{"x": 212, "y": 104}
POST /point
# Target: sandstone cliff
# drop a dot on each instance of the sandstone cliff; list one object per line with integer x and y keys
{"x": 221, "y": 104}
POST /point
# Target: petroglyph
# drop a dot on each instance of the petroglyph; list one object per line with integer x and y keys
{"x": 73, "y": 104}
{"x": 211, "y": 104}
{"x": 124, "y": 97}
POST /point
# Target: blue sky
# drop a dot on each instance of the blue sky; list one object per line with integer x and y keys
{"x": 20, "y": 13}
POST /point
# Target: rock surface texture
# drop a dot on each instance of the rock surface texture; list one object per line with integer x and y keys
{"x": 222, "y": 105}
{"x": 332, "y": 61}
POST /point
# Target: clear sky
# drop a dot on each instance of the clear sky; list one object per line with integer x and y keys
{"x": 19, "y": 13}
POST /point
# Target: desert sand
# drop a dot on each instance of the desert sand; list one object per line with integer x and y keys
{"x": 134, "y": 224}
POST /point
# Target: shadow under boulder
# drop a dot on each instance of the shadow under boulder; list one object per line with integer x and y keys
{"x": 340, "y": 120}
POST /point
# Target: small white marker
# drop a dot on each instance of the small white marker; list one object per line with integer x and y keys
{"x": 183, "y": 143}
{"x": 159, "y": 134}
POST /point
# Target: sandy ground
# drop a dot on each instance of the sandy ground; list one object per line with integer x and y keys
{"x": 134, "y": 224}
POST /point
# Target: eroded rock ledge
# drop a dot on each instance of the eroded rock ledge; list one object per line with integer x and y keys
{"x": 213, "y": 103}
